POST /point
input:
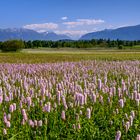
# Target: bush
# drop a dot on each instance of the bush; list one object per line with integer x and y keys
{"x": 12, "y": 45}
{"x": 120, "y": 47}
{"x": 0, "y": 45}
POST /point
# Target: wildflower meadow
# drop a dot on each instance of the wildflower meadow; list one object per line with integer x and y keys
{"x": 70, "y": 100}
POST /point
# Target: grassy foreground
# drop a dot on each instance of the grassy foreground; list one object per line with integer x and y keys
{"x": 73, "y": 100}
{"x": 52, "y": 56}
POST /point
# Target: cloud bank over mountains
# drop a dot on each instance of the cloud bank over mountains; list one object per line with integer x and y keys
{"x": 73, "y": 28}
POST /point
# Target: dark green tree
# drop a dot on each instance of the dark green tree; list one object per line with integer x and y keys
{"x": 12, "y": 45}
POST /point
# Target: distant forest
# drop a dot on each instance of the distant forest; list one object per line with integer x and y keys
{"x": 101, "y": 43}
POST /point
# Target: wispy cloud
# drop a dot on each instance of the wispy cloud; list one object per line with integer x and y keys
{"x": 75, "y": 34}
{"x": 71, "y": 32}
{"x": 43, "y": 26}
{"x": 64, "y": 18}
{"x": 81, "y": 22}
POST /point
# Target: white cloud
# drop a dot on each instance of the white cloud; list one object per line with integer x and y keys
{"x": 90, "y": 21}
{"x": 64, "y": 18}
{"x": 43, "y": 26}
{"x": 41, "y": 31}
{"x": 72, "y": 32}
{"x": 81, "y": 22}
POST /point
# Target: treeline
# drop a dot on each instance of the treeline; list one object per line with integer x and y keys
{"x": 101, "y": 43}
{"x": 81, "y": 44}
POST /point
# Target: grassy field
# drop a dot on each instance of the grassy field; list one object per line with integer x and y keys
{"x": 81, "y": 50}
{"x": 64, "y": 55}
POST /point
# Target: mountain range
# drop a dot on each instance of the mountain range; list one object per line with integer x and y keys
{"x": 123, "y": 33}
{"x": 26, "y": 34}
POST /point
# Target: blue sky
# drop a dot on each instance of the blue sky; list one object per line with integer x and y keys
{"x": 73, "y": 17}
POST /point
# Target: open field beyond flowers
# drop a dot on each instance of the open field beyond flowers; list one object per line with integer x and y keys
{"x": 52, "y": 56}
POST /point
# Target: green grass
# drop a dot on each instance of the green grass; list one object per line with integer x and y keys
{"x": 80, "y": 50}
{"x": 137, "y": 47}
{"x": 54, "y": 55}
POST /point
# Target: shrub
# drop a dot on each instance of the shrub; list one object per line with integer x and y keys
{"x": 0, "y": 45}
{"x": 12, "y": 45}
{"x": 120, "y": 47}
